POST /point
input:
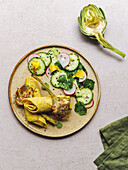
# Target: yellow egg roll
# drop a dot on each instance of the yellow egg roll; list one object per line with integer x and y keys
{"x": 34, "y": 118}
{"x": 38, "y": 104}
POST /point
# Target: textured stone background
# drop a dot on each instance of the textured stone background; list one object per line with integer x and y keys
{"x": 28, "y": 24}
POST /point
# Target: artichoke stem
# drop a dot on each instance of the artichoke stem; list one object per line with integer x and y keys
{"x": 102, "y": 40}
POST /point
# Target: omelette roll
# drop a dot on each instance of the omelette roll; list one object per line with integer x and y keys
{"x": 34, "y": 118}
{"x": 38, "y": 104}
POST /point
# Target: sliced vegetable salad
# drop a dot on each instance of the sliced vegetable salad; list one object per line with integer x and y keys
{"x": 66, "y": 72}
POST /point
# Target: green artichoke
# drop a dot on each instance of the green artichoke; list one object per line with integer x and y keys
{"x": 92, "y": 22}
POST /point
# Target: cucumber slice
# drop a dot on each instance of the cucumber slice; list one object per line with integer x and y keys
{"x": 87, "y": 96}
{"x": 74, "y": 62}
{"x": 55, "y": 77}
{"x": 40, "y": 70}
{"x": 46, "y": 58}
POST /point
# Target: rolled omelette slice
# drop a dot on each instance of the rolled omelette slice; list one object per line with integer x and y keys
{"x": 34, "y": 118}
{"x": 39, "y": 104}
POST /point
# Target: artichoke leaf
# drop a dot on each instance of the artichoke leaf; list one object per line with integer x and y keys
{"x": 92, "y": 22}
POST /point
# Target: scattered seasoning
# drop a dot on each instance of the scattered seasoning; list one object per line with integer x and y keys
{"x": 59, "y": 125}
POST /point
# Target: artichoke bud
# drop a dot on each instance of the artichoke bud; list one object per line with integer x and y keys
{"x": 92, "y": 22}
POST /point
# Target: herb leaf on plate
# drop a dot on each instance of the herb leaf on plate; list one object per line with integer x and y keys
{"x": 88, "y": 83}
{"x": 80, "y": 108}
{"x": 59, "y": 125}
{"x": 65, "y": 83}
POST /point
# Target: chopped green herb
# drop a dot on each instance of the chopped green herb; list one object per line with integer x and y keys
{"x": 55, "y": 52}
{"x": 46, "y": 85}
{"x": 81, "y": 67}
{"x": 58, "y": 64}
{"x": 88, "y": 83}
{"x": 65, "y": 83}
{"x": 80, "y": 108}
{"x": 59, "y": 125}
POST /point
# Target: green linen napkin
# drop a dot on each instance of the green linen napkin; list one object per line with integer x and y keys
{"x": 115, "y": 141}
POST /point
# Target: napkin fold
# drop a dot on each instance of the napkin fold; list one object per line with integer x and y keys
{"x": 115, "y": 141}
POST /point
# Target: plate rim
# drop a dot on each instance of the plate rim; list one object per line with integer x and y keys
{"x": 10, "y": 82}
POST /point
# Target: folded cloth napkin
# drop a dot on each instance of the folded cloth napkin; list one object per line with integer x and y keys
{"x": 115, "y": 141}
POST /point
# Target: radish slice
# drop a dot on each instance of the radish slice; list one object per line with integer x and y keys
{"x": 84, "y": 78}
{"x": 71, "y": 91}
{"x": 31, "y": 56}
{"x": 48, "y": 72}
{"x": 90, "y": 104}
{"x": 64, "y": 59}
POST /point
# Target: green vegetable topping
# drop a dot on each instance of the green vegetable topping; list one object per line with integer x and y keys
{"x": 55, "y": 52}
{"x": 81, "y": 67}
{"x": 59, "y": 125}
{"x": 65, "y": 83}
{"x": 58, "y": 64}
{"x": 46, "y": 85}
{"x": 92, "y": 22}
{"x": 80, "y": 108}
{"x": 88, "y": 83}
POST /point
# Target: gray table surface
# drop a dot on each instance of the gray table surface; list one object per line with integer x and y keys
{"x": 28, "y": 24}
